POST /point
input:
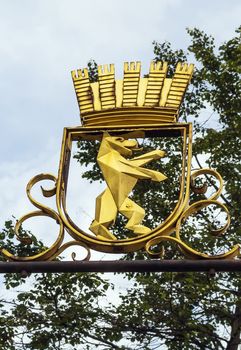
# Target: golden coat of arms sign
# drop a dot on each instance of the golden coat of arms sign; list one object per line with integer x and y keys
{"x": 119, "y": 115}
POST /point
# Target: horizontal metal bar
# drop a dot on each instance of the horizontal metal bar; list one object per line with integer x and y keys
{"x": 210, "y": 266}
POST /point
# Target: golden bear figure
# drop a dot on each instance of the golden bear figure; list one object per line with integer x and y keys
{"x": 121, "y": 176}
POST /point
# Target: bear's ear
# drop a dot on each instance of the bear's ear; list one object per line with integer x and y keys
{"x": 119, "y": 147}
{"x": 105, "y": 134}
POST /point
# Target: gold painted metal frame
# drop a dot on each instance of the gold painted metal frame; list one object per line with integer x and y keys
{"x": 130, "y": 244}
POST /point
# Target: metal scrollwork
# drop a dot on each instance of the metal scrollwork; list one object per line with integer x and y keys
{"x": 194, "y": 208}
{"x": 56, "y": 248}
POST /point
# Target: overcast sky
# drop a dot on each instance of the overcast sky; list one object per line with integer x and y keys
{"x": 41, "y": 41}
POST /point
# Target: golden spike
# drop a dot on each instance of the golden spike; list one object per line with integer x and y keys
{"x": 107, "y": 85}
{"x": 83, "y": 91}
{"x": 179, "y": 84}
{"x": 131, "y": 80}
{"x": 157, "y": 74}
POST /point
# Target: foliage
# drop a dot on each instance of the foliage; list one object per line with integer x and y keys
{"x": 173, "y": 311}
{"x": 58, "y": 312}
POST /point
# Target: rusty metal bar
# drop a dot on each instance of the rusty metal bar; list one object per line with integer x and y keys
{"x": 122, "y": 266}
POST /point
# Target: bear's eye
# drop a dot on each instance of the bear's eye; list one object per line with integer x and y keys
{"x": 121, "y": 139}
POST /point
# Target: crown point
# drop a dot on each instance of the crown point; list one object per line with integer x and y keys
{"x": 73, "y": 74}
{"x": 126, "y": 66}
{"x": 165, "y": 66}
{"x": 100, "y": 69}
{"x": 185, "y": 68}
{"x": 158, "y": 66}
{"x": 138, "y": 66}
{"x": 81, "y": 74}
{"x": 86, "y": 73}
{"x": 112, "y": 68}
{"x": 179, "y": 67}
{"x": 106, "y": 69}
{"x": 132, "y": 66}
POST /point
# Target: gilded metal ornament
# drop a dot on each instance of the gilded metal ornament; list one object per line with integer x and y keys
{"x": 121, "y": 176}
{"x": 118, "y": 113}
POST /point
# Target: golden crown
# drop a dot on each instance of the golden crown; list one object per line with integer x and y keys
{"x": 132, "y": 100}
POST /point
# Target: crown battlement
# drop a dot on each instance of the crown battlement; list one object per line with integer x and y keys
{"x": 151, "y": 100}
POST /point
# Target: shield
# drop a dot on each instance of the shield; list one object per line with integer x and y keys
{"x": 179, "y": 134}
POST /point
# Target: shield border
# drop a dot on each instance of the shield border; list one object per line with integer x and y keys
{"x": 128, "y": 244}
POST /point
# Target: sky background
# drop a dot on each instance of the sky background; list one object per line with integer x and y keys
{"x": 42, "y": 41}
